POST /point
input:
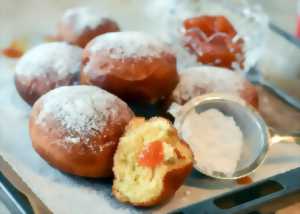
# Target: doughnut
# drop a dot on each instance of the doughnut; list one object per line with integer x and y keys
{"x": 151, "y": 163}
{"x": 76, "y": 129}
{"x": 80, "y": 25}
{"x": 46, "y": 67}
{"x": 132, "y": 65}
{"x": 214, "y": 41}
{"x": 200, "y": 80}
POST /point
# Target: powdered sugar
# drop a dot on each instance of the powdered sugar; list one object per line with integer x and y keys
{"x": 72, "y": 139}
{"x": 82, "y": 18}
{"x": 129, "y": 44}
{"x": 196, "y": 81}
{"x": 58, "y": 57}
{"x": 67, "y": 194}
{"x": 84, "y": 110}
{"x": 215, "y": 139}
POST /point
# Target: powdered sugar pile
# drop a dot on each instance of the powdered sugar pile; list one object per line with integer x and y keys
{"x": 84, "y": 110}
{"x": 58, "y": 57}
{"x": 215, "y": 139}
{"x": 82, "y": 18}
{"x": 196, "y": 81}
{"x": 129, "y": 44}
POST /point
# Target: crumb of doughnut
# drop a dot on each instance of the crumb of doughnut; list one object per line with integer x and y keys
{"x": 187, "y": 192}
{"x": 143, "y": 185}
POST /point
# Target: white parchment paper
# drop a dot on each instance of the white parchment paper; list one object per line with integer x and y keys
{"x": 63, "y": 193}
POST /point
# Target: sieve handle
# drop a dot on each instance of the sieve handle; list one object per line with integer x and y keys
{"x": 276, "y": 137}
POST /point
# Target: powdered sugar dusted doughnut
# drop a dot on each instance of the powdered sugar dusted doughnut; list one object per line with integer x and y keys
{"x": 46, "y": 67}
{"x": 80, "y": 25}
{"x": 129, "y": 44}
{"x": 200, "y": 80}
{"x": 132, "y": 65}
{"x": 77, "y": 129}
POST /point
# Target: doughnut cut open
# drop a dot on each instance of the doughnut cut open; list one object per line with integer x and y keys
{"x": 151, "y": 162}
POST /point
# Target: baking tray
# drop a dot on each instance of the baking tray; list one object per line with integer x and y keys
{"x": 250, "y": 198}
{"x": 246, "y": 199}
{"x": 14, "y": 200}
{"x": 242, "y": 200}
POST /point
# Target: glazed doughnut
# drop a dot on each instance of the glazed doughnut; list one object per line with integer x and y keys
{"x": 80, "y": 25}
{"x": 200, "y": 80}
{"x": 131, "y": 65}
{"x": 77, "y": 129}
{"x": 46, "y": 67}
{"x": 151, "y": 162}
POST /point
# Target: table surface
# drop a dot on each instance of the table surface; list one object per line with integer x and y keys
{"x": 282, "y": 13}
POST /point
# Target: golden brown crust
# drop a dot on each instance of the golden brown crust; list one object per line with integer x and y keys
{"x": 185, "y": 91}
{"x": 46, "y": 67}
{"x": 92, "y": 159}
{"x": 66, "y": 32}
{"x": 172, "y": 180}
{"x": 249, "y": 94}
{"x": 36, "y": 87}
{"x": 143, "y": 79}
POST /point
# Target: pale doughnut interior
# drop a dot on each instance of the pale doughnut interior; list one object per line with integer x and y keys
{"x": 139, "y": 184}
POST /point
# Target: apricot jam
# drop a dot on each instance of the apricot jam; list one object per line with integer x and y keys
{"x": 152, "y": 155}
{"x": 213, "y": 39}
{"x": 12, "y": 52}
{"x": 15, "y": 49}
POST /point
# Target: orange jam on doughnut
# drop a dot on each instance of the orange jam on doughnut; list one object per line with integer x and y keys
{"x": 15, "y": 49}
{"x": 152, "y": 155}
{"x": 213, "y": 39}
